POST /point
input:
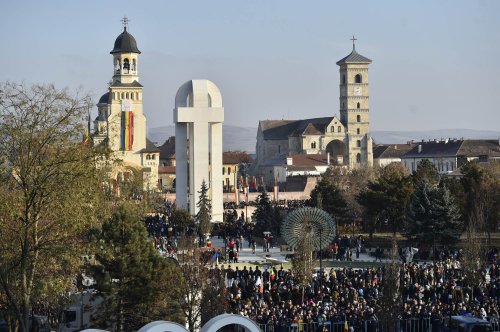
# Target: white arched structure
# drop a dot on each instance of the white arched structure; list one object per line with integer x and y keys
{"x": 162, "y": 326}
{"x": 198, "y": 117}
{"x": 212, "y": 325}
{"x": 220, "y": 321}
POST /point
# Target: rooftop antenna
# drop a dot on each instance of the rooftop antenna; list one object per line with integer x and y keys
{"x": 353, "y": 42}
{"x": 125, "y": 22}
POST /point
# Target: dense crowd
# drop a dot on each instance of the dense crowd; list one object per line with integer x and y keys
{"x": 273, "y": 296}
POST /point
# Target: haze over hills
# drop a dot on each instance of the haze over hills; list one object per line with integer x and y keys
{"x": 244, "y": 138}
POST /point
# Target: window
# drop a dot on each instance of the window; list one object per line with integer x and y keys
{"x": 126, "y": 65}
{"x": 153, "y": 157}
{"x": 357, "y": 131}
{"x": 223, "y": 170}
{"x": 133, "y": 64}
{"x": 229, "y": 171}
{"x": 359, "y": 105}
{"x": 358, "y": 118}
{"x": 358, "y": 143}
{"x": 313, "y": 145}
{"x": 343, "y": 79}
{"x": 339, "y": 129}
{"x": 358, "y": 158}
{"x": 332, "y": 129}
{"x": 148, "y": 157}
{"x": 358, "y": 79}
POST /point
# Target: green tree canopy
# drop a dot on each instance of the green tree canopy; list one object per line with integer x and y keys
{"x": 204, "y": 210}
{"x": 386, "y": 200}
{"x": 134, "y": 281}
{"x": 264, "y": 215}
{"x": 328, "y": 197}
{"x": 49, "y": 194}
{"x": 433, "y": 216}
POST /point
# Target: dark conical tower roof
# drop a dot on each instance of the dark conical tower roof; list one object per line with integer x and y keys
{"x": 125, "y": 43}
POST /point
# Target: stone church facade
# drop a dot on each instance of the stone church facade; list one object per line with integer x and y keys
{"x": 345, "y": 140}
{"x": 121, "y": 125}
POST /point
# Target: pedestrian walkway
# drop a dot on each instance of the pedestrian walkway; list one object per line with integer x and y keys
{"x": 246, "y": 257}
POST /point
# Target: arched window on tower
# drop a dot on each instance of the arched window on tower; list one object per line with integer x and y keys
{"x": 358, "y": 131}
{"x": 117, "y": 66}
{"x": 359, "y": 105}
{"x": 358, "y": 78}
{"x": 343, "y": 79}
{"x": 126, "y": 65}
{"x": 133, "y": 65}
{"x": 358, "y": 118}
{"x": 358, "y": 143}
{"x": 332, "y": 129}
{"x": 339, "y": 129}
{"x": 358, "y": 158}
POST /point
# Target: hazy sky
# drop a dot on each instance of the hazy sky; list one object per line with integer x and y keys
{"x": 435, "y": 62}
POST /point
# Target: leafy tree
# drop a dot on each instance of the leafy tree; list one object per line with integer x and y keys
{"x": 481, "y": 187}
{"x": 386, "y": 199}
{"x": 426, "y": 172}
{"x": 49, "y": 194}
{"x": 264, "y": 214}
{"x": 327, "y": 194}
{"x": 180, "y": 218}
{"x": 433, "y": 211}
{"x": 131, "y": 276}
{"x": 204, "y": 210}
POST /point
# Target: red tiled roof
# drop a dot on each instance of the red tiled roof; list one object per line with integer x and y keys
{"x": 235, "y": 157}
{"x": 166, "y": 170}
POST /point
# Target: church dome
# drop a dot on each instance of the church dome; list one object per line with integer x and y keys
{"x": 125, "y": 43}
{"x": 104, "y": 99}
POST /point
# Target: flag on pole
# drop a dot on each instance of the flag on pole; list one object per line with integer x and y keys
{"x": 276, "y": 189}
{"x": 86, "y": 137}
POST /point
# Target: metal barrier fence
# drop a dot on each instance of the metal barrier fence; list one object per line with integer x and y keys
{"x": 403, "y": 325}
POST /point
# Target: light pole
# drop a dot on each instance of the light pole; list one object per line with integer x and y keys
{"x": 320, "y": 259}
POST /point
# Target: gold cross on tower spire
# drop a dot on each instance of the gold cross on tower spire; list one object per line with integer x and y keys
{"x": 125, "y": 22}
{"x": 353, "y": 42}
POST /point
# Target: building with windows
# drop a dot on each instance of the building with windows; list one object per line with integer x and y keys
{"x": 120, "y": 125}
{"x": 448, "y": 155}
{"x": 345, "y": 139}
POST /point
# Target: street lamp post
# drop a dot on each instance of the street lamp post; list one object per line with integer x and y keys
{"x": 320, "y": 260}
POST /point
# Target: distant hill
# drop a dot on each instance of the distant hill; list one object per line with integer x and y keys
{"x": 389, "y": 137}
{"x": 244, "y": 138}
{"x": 234, "y": 138}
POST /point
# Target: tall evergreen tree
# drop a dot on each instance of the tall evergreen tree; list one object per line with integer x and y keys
{"x": 263, "y": 214}
{"x": 386, "y": 200}
{"x": 204, "y": 211}
{"x": 433, "y": 212}
{"x": 327, "y": 195}
{"x": 131, "y": 277}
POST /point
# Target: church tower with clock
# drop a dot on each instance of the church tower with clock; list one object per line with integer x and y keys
{"x": 355, "y": 107}
{"x": 121, "y": 124}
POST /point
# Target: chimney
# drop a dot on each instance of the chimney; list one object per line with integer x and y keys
{"x": 420, "y": 148}
{"x": 328, "y": 158}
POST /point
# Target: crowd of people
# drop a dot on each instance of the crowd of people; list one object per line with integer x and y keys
{"x": 275, "y": 297}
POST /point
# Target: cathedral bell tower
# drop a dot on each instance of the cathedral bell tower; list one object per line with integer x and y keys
{"x": 126, "y": 122}
{"x": 354, "y": 107}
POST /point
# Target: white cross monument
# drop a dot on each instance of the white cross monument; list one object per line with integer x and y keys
{"x": 198, "y": 114}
